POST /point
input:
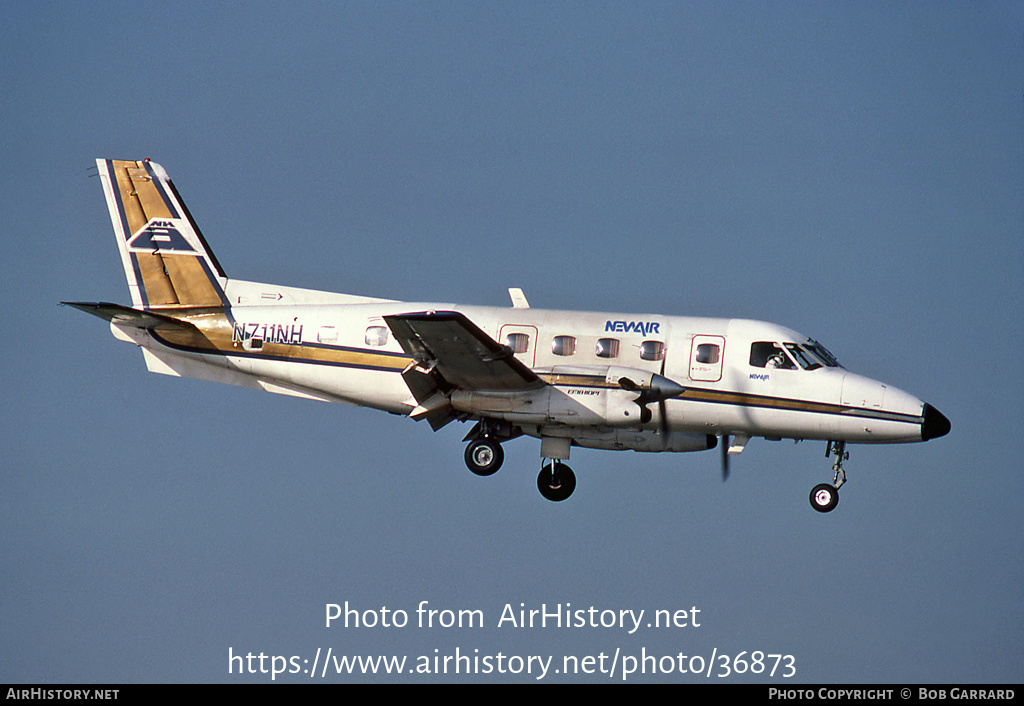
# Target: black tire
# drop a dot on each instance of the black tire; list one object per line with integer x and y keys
{"x": 556, "y": 486}
{"x": 484, "y": 456}
{"x": 824, "y": 497}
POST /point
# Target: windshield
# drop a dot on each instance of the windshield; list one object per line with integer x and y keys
{"x": 808, "y": 356}
{"x": 807, "y": 362}
{"x": 822, "y": 354}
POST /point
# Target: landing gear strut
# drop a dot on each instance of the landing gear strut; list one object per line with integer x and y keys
{"x": 556, "y": 481}
{"x": 825, "y": 496}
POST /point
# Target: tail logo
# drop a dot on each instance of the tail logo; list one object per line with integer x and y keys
{"x": 161, "y": 235}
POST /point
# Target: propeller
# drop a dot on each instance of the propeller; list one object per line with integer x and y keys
{"x": 661, "y": 389}
{"x": 663, "y": 421}
{"x": 723, "y": 442}
{"x": 731, "y": 446}
{"x": 663, "y": 414}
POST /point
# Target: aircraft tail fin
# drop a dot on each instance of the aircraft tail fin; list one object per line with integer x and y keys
{"x": 166, "y": 259}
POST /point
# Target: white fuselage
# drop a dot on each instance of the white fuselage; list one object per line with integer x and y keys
{"x": 731, "y": 387}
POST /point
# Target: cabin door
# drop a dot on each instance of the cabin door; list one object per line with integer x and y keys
{"x": 707, "y": 354}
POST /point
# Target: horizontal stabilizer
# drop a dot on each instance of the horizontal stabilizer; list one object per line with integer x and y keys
{"x": 126, "y": 316}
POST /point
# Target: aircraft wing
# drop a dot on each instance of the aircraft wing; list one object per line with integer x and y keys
{"x": 461, "y": 353}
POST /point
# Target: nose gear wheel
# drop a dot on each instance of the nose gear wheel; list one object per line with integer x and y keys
{"x": 825, "y": 496}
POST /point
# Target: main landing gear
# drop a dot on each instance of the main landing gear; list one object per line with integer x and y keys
{"x": 825, "y": 496}
{"x": 484, "y": 456}
{"x": 556, "y": 480}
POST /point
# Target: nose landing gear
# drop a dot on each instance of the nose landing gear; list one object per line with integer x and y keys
{"x": 825, "y": 496}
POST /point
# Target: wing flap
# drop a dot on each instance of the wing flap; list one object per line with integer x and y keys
{"x": 466, "y": 357}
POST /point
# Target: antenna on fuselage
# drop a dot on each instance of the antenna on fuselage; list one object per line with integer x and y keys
{"x": 518, "y": 298}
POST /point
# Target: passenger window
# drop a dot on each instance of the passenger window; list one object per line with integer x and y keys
{"x": 518, "y": 342}
{"x": 376, "y": 335}
{"x": 652, "y": 350}
{"x": 766, "y": 354}
{"x": 563, "y": 345}
{"x": 607, "y": 348}
{"x": 707, "y": 353}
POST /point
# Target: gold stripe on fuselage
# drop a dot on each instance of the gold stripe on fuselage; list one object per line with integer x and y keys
{"x": 214, "y": 335}
{"x": 696, "y": 394}
{"x": 576, "y": 380}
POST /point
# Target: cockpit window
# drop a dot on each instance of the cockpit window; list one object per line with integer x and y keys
{"x": 768, "y": 354}
{"x": 823, "y": 354}
{"x": 806, "y": 361}
{"x": 809, "y": 356}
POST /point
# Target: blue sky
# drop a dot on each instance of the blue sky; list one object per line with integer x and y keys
{"x": 850, "y": 170}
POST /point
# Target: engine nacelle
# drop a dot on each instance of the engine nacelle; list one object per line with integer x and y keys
{"x": 578, "y": 396}
{"x": 648, "y": 440}
{"x": 575, "y": 406}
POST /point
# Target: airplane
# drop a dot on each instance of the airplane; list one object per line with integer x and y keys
{"x": 646, "y": 382}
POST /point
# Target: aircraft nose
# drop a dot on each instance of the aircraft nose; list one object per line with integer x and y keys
{"x": 934, "y": 425}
